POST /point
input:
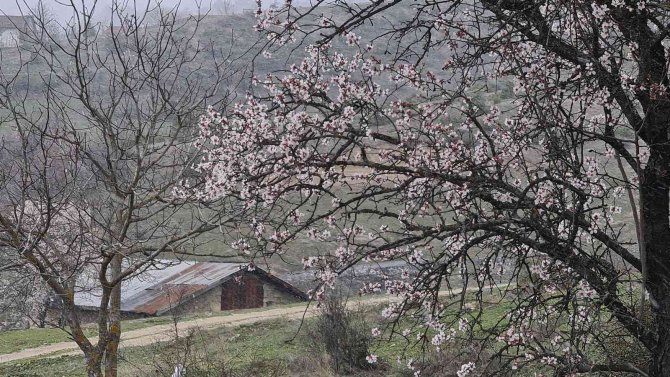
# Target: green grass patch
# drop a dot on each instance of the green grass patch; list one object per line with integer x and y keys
{"x": 17, "y": 340}
{"x": 270, "y": 348}
{"x": 71, "y": 366}
{"x": 265, "y": 344}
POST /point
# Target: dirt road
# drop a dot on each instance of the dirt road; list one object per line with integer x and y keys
{"x": 161, "y": 333}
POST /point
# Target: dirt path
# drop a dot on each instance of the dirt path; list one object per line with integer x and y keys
{"x": 162, "y": 333}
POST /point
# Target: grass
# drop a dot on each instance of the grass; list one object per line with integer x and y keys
{"x": 17, "y": 340}
{"x": 56, "y": 367}
{"x": 260, "y": 349}
{"x": 271, "y": 348}
{"x": 258, "y": 345}
{"x": 12, "y": 341}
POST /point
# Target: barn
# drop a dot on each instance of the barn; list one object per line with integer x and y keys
{"x": 193, "y": 287}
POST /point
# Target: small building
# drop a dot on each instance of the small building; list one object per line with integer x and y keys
{"x": 12, "y": 28}
{"x": 193, "y": 287}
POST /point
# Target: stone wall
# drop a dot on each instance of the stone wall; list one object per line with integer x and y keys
{"x": 274, "y": 296}
{"x": 209, "y": 301}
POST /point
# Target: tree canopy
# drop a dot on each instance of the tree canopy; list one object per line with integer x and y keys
{"x": 556, "y": 197}
{"x": 97, "y": 131}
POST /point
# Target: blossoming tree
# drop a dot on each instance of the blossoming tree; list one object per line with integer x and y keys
{"x": 557, "y": 199}
{"x": 97, "y": 124}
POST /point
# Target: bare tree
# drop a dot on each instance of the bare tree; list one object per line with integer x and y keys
{"x": 97, "y": 129}
{"x": 531, "y": 193}
{"x": 224, "y": 7}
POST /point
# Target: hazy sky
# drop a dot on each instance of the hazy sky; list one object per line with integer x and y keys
{"x": 10, "y": 7}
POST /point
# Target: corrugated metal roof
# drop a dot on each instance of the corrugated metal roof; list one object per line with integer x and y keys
{"x": 159, "y": 289}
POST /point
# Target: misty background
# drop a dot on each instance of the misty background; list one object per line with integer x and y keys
{"x": 103, "y": 8}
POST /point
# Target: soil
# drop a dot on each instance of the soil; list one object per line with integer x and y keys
{"x": 163, "y": 333}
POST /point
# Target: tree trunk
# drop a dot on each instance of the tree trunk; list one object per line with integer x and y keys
{"x": 661, "y": 356}
{"x": 114, "y": 334}
{"x": 93, "y": 365}
{"x": 655, "y": 189}
{"x": 92, "y": 354}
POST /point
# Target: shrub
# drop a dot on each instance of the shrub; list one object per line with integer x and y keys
{"x": 191, "y": 353}
{"x": 343, "y": 334}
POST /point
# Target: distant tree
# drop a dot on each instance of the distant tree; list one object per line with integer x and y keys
{"x": 561, "y": 193}
{"x": 223, "y": 7}
{"x": 97, "y": 125}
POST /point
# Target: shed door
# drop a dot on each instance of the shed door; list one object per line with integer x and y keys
{"x": 243, "y": 294}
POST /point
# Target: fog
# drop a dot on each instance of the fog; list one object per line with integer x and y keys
{"x": 13, "y": 7}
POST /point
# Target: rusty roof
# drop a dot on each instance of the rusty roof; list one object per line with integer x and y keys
{"x": 159, "y": 289}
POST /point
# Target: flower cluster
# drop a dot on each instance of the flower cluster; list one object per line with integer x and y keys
{"x": 388, "y": 159}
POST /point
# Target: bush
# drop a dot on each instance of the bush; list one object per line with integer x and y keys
{"x": 343, "y": 334}
{"x": 447, "y": 361}
{"x": 191, "y": 354}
